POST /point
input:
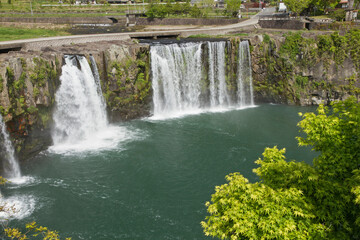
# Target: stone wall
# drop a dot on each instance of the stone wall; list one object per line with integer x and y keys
{"x": 337, "y": 26}
{"x": 282, "y": 24}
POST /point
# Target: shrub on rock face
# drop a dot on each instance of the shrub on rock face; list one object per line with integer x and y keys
{"x": 295, "y": 200}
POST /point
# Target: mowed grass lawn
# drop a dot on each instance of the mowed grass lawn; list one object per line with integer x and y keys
{"x": 14, "y": 33}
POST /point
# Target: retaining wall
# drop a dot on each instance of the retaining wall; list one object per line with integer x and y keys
{"x": 282, "y": 24}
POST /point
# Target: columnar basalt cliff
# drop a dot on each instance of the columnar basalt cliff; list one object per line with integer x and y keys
{"x": 303, "y": 68}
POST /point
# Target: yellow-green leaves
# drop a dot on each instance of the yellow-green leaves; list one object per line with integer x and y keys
{"x": 256, "y": 211}
{"x": 295, "y": 200}
{"x": 33, "y": 231}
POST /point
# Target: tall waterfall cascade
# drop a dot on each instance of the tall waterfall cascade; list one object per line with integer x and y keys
{"x": 176, "y": 70}
{"x": 10, "y": 164}
{"x": 219, "y": 95}
{"x": 80, "y": 110}
{"x": 192, "y": 77}
{"x": 80, "y": 119}
{"x": 245, "y": 89}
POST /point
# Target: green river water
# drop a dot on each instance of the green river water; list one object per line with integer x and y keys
{"x": 154, "y": 184}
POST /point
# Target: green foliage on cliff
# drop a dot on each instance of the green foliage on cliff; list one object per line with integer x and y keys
{"x": 128, "y": 84}
{"x": 295, "y": 200}
{"x": 42, "y": 72}
{"x": 1, "y": 84}
{"x": 284, "y": 62}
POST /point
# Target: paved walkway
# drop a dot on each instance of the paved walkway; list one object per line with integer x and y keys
{"x": 38, "y": 43}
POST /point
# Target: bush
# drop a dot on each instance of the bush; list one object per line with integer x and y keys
{"x": 338, "y": 15}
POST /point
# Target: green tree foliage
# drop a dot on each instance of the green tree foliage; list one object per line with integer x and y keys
{"x": 295, "y": 200}
{"x": 322, "y": 5}
{"x": 338, "y": 14}
{"x": 232, "y": 8}
{"x": 162, "y": 10}
{"x": 297, "y": 6}
{"x": 157, "y": 10}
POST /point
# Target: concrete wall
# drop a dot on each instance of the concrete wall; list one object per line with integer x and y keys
{"x": 185, "y": 21}
{"x": 282, "y": 24}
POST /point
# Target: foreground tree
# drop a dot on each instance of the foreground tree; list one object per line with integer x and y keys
{"x": 295, "y": 200}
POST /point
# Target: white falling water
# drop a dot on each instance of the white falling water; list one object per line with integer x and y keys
{"x": 176, "y": 74}
{"x": 18, "y": 206}
{"x": 97, "y": 80}
{"x": 80, "y": 120}
{"x": 219, "y": 96}
{"x": 10, "y": 164}
{"x": 245, "y": 88}
{"x": 178, "y": 84}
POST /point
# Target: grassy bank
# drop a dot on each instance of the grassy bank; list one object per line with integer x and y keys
{"x": 11, "y": 33}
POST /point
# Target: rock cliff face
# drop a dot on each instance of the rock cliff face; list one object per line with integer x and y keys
{"x": 28, "y": 82}
{"x": 306, "y": 68}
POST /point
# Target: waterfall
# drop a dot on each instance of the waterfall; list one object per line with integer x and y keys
{"x": 176, "y": 74}
{"x": 245, "y": 88}
{"x": 80, "y": 108}
{"x": 219, "y": 96}
{"x": 80, "y": 120}
{"x": 97, "y": 80}
{"x": 10, "y": 163}
{"x": 181, "y": 85}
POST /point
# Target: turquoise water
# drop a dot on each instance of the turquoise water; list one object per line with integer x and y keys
{"x": 154, "y": 184}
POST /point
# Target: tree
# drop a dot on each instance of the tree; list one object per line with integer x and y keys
{"x": 322, "y": 5}
{"x": 232, "y": 8}
{"x": 195, "y": 12}
{"x": 297, "y": 6}
{"x": 295, "y": 200}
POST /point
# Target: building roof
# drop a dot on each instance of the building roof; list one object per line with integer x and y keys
{"x": 343, "y": 1}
